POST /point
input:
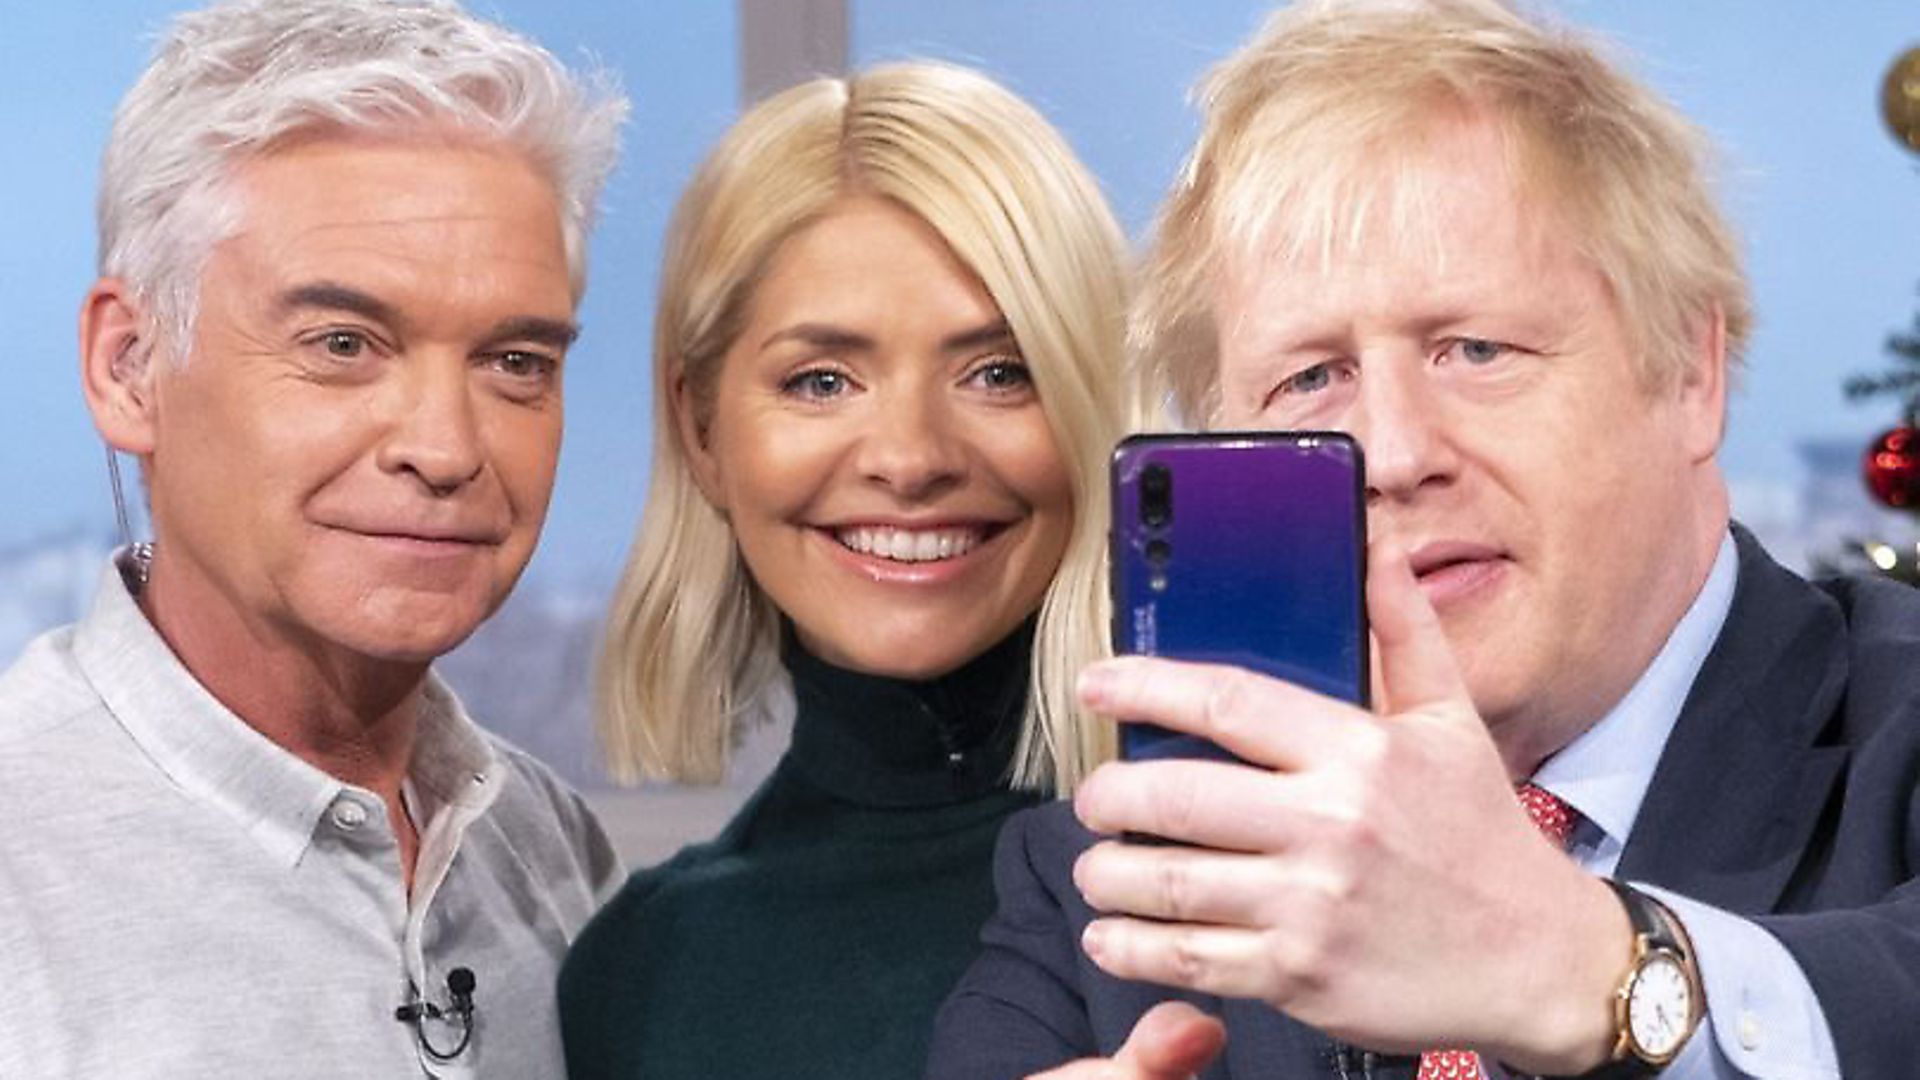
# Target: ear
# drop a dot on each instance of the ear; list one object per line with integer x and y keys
{"x": 693, "y": 429}
{"x": 1703, "y": 388}
{"x": 116, "y": 366}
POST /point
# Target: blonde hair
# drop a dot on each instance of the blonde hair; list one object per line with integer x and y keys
{"x": 1332, "y": 97}
{"x": 691, "y": 649}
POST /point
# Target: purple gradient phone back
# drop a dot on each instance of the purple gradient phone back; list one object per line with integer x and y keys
{"x": 1261, "y": 563}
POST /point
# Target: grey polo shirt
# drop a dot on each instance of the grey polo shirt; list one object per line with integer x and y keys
{"x": 180, "y": 897}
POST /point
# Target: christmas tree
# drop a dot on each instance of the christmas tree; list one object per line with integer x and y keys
{"x": 1891, "y": 466}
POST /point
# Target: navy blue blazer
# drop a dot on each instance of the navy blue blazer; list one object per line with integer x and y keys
{"x": 1789, "y": 792}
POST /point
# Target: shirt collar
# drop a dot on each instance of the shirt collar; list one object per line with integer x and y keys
{"x": 1604, "y": 772}
{"x": 454, "y": 764}
{"x": 213, "y": 756}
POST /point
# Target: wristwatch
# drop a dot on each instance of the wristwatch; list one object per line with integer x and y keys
{"x": 1659, "y": 1001}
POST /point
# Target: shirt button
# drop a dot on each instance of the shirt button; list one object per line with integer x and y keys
{"x": 1749, "y": 1031}
{"x": 349, "y": 815}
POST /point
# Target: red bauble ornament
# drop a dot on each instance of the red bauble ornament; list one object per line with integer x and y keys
{"x": 1892, "y": 467}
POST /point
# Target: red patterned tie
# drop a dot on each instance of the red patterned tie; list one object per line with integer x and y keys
{"x": 1555, "y": 821}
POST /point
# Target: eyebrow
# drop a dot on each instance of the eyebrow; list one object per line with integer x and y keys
{"x": 820, "y": 335}
{"x": 996, "y": 332}
{"x": 332, "y": 296}
{"x": 550, "y": 332}
{"x": 335, "y": 297}
{"x": 825, "y": 336}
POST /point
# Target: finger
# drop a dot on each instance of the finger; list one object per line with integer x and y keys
{"x": 1415, "y": 660}
{"x": 1216, "y": 804}
{"x": 1172, "y": 1041}
{"x": 1220, "y": 960}
{"x": 1257, "y": 718}
{"x": 1178, "y": 884}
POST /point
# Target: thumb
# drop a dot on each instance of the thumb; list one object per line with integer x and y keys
{"x": 1413, "y": 661}
{"x": 1172, "y": 1041}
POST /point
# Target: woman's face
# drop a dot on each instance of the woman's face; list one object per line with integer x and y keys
{"x": 875, "y": 440}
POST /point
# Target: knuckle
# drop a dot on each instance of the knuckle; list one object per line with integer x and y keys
{"x": 1188, "y": 960}
{"x": 1228, "y": 696}
{"x": 1310, "y": 962}
{"x": 1370, "y": 745}
{"x": 1180, "y": 805}
{"x": 1305, "y": 960}
{"x": 1341, "y": 824}
{"x": 1290, "y": 976}
{"x": 1176, "y": 887}
{"x": 1343, "y": 888}
{"x": 1315, "y": 925}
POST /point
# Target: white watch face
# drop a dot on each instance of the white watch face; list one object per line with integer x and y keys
{"x": 1660, "y": 1006}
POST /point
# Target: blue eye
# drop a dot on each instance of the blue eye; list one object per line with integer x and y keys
{"x": 1479, "y": 351}
{"x": 1308, "y": 381}
{"x": 816, "y": 383}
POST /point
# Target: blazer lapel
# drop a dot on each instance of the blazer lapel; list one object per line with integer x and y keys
{"x": 1741, "y": 781}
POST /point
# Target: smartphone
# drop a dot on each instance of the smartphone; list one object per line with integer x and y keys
{"x": 1244, "y": 548}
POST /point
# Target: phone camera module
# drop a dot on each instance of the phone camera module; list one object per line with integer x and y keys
{"x": 1156, "y": 496}
{"x": 1158, "y": 553}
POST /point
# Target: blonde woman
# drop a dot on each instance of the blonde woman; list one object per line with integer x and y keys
{"x": 885, "y": 383}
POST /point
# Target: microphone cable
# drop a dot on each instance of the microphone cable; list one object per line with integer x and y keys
{"x": 460, "y": 984}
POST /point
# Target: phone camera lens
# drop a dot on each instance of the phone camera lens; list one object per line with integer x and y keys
{"x": 1156, "y": 496}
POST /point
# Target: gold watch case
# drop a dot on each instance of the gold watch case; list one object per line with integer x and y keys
{"x": 1656, "y": 1007}
{"x": 1659, "y": 1001}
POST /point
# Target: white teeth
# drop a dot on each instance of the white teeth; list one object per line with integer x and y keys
{"x": 909, "y": 545}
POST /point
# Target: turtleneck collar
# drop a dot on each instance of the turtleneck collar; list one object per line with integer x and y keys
{"x": 882, "y": 742}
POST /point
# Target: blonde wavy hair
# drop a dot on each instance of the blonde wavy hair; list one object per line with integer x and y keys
{"x": 692, "y": 643}
{"x": 1308, "y": 131}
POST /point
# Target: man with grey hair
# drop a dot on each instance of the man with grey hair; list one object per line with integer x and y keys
{"x": 1475, "y": 244}
{"x": 342, "y": 243}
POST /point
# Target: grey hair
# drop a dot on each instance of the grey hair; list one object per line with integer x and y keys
{"x": 235, "y": 80}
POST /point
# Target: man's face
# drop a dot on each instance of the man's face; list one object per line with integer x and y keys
{"x": 1558, "y": 513}
{"x": 357, "y": 455}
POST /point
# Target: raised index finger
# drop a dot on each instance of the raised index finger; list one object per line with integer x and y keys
{"x": 1413, "y": 658}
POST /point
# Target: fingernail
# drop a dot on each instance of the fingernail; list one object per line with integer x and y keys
{"x": 1079, "y": 875}
{"x": 1086, "y": 802}
{"x": 1094, "y": 939}
{"x": 1096, "y": 681}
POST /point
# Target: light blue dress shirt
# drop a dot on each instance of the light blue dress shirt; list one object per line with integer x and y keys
{"x": 1763, "y": 1019}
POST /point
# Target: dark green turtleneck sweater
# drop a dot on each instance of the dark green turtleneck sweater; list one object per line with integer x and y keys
{"x": 816, "y": 936}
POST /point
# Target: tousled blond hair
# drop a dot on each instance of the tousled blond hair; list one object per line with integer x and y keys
{"x": 691, "y": 649}
{"x": 1305, "y": 149}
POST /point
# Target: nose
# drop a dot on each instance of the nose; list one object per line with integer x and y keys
{"x": 435, "y": 432}
{"x": 910, "y": 446}
{"x": 1403, "y": 429}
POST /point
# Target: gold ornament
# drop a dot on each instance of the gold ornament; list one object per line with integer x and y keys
{"x": 1900, "y": 99}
